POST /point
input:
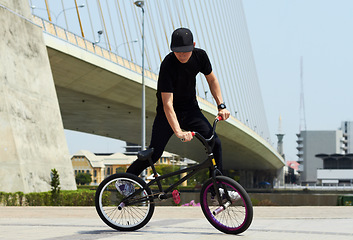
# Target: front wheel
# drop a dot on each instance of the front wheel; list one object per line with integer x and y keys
{"x": 233, "y": 215}
{"x": 114, "y": 212}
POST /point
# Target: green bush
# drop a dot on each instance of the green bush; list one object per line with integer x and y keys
{"x": 39, "y": 199}
{"x": 65, "y": 198}
{"x": 77, "y": 198}
{"x": 11, "y": 199}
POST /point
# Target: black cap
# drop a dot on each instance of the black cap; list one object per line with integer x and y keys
{"x": 182, "y": 40}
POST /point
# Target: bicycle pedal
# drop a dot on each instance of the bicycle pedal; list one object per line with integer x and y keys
{"x": 176, "y": 196}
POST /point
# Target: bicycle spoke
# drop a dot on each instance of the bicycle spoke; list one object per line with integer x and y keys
{"x": 136, "y": 211}
{"x": 232, "y": 214}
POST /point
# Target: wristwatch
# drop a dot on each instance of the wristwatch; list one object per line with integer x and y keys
{"x": 222, "y": 106}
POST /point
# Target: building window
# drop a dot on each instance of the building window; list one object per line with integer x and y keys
{"x": 108, "y": 171}
{"x": 345, "y": 163}
{"x": 95, "y": 173}
{"x": 88, "y": 172}
{"x": 330, "y": 163}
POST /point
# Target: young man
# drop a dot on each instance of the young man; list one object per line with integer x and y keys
{"x": 177, "y": 108}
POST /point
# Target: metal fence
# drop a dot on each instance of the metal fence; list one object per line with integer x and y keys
{"x": 83, "y": 43}
{"x": 347, "y": 187}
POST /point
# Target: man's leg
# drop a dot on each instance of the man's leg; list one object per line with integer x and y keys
{"x": 161, "y": 133}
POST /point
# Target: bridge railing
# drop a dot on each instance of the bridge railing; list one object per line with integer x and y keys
{"x": 52, "y": 29}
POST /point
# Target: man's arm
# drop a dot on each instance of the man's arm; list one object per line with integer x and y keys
{"x": 167, "y": 99}
{"x": 216, "y": 93}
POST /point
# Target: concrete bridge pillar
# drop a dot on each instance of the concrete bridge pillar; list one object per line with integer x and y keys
{"x": 32, "y": 140}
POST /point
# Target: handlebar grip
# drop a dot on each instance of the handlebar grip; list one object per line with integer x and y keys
{"x": 192, "y": 134}
{"x": 219, "y": 118}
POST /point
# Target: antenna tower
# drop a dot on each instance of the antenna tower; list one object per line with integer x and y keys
{"x": 280, "y": 136}
{"x": 302, "y": 120}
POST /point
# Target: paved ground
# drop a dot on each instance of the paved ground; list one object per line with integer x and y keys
{"x": 176, "y": 223}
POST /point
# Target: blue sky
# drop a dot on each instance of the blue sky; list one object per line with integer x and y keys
{"x": 281, "y": 32}
{"x": 320, "y": 31}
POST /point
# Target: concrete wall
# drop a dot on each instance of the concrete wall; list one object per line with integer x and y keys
{"x": 270, "y": 199}
{"x": 32, "y": 140}
{"x": 294, "y": 199}
{"x": 316, "y": 142}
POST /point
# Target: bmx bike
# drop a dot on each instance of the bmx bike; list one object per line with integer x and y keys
{"x": 126, "y": 203}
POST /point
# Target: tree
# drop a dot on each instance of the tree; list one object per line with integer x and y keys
{"x": 164, "y": 169}
{"x": 55, "y": 189}
{"x": 83, "y": 178}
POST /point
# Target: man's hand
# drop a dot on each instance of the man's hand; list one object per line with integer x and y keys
{"x": 184, "y": 136}
{"x": 224, "y": 113}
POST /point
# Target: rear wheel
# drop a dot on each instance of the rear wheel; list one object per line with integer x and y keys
{"x": 114, "y": 212}
{"x": 233, "y": 215}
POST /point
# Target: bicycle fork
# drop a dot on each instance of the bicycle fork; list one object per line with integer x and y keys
{"x": 224, "y": 206}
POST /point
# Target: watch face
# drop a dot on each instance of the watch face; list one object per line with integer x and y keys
{"x": 222, "y": 106}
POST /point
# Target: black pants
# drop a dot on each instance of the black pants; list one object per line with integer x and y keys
{"x": 192, "y": 120}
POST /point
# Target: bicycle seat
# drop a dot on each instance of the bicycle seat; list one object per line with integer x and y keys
{"x": 145, "y": 155}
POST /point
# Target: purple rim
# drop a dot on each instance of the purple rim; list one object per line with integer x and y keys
{"x": 210, "y": 215}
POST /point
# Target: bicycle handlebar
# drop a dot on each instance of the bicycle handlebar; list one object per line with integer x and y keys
{"x": 202, "y": 139}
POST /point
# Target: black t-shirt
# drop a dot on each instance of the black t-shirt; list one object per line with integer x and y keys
{"x": 180, "y": 79}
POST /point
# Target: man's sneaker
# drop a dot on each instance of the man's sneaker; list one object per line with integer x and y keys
{"x": 124, "y": 187}
{"x": 232, "y": 194}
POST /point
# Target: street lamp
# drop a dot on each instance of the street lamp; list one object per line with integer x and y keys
{"x": 121, "y": 44}
{"x": 56, "y": 18}
{"x": 140, "y": 4}
{"x": 44, "y": 9}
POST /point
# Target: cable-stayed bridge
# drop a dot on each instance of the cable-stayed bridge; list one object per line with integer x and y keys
{"x": 94, "y": 52}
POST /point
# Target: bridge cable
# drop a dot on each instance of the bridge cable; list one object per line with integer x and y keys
{"x": 208, "y": 49}
{"x": 164, "y": 28}
{"x": 246, "y": 80}
{"x": 105, "y": 28}
{"x": 155, "y": 45}
{"x": 111, "y": 24}
{"x": 90, "y": 20}
{"x": 62, "y": 4}
{"x": 223, "y": 73}
{"x": 185, "y": 15}
{"x": 229, "y": 42}
{"x": 155, "y": 37}
{"x": 170, "y": 13}
{"x": 177, "y": 10}
{"x": 123, "y": 24}
{"x": 128, "y": 30}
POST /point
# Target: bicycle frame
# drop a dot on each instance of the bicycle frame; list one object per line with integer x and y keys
{"x": 163, "y": 194}
{"x": 208, "y": 163}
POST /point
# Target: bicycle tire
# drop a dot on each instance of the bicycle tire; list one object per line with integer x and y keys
{"x": 125, "y": 218}
{"x": 237, "y": 217}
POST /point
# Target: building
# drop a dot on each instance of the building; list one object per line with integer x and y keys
{"x": 311, "y": 143}
{"x": 347, "y": 129}
{"x": 291, "y": 172}
{"x": 103, "y": 165}
{"x": 100, "y": 165}
{"x": 337, "y": 170}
